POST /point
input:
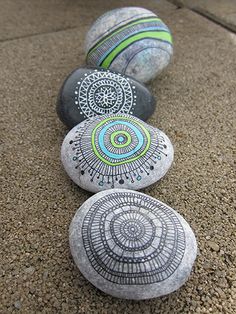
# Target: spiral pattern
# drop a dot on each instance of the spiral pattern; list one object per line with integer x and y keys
{"x": 132, "y": 239}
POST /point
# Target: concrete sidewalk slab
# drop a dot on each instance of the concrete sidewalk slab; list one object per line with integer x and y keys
{"x": 26, "y": 17}
{"x": 221, "y": 11}
{"x": 196, "y": 108}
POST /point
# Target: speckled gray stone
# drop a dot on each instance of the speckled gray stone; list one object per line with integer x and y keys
{"x": 131, "y": 40}
{"x": 131, "y": 245}
{"x": 88, "y": 92}
{"x": 116, "y": 151}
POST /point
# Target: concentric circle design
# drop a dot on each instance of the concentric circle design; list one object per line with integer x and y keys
{"x": 132, "y": 146}
{"x": 120, "y": 139}
{"x": 132, "y": 230}
{"x": 132, "y": 239}
{"x": 104, "y": 92}
{"x": 115, "y": 148}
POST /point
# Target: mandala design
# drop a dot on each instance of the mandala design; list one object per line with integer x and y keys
{"x": 117, "y": 148}
{"x": 103, "y": 92}
{"x": 131, "y": 239}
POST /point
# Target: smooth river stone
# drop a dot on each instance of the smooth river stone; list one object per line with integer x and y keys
{"x": 131, "y": 245}
{"x": 88, "y": 92}
{"x": 116, "y": 151}
{"x": 131, "y": 40}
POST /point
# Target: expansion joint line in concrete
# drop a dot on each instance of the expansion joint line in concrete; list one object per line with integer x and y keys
{"x": 207, "y": 15}
{"x": 37, "y": 34}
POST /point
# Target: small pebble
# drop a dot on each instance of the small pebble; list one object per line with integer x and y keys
{"x": 30, "y": 270}
{"x": 214, "y": 246}
{"x": 17, "y": 304}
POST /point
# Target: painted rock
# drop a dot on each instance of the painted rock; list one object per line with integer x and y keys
{"x": 131, "y": 245}
{"x": 88, "y": 92}
{"x": 131, "y": 40}
{"x": 116, "y": 151}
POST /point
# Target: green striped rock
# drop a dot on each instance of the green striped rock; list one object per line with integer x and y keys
{"x": 133, "y": 41}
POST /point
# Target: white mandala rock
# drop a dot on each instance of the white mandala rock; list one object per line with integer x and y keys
{"x": 89, "y": 92}
{"x": 131, "y": 245}
{"x": 116, "y": 151}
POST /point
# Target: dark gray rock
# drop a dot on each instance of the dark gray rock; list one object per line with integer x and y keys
{"x": 88, "y": 92}
{"x": 131, "y": 245}
{"x": 116, "y": 151}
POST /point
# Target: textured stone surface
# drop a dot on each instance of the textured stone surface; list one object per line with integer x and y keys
{"x": 221, "y": 11}
{"x": 38, "y": 200}
{"x": 131, "y": 245}
{"x": 89, "y": 92}
{"x": 116, "y": 151}
{"x": 130, "y": 40}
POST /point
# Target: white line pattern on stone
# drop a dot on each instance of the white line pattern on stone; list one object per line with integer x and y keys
{"x": 104, "y": 92}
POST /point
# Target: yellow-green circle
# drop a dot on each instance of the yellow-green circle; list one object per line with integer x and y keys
{"x": 126, "y": 134}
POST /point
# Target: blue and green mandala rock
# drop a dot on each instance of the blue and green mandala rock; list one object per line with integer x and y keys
{"x": 116, "y": 151}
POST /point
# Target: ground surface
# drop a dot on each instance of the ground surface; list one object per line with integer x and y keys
{"x": 196, "y": 108}
{"x": 220, "y": 11}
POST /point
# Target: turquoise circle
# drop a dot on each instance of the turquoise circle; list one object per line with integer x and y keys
{"x": 125, "y": 155}
{"x": 121, "y": 139}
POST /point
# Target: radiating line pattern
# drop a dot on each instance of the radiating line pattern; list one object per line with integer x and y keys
{"x": 117, "y": 148}
{"x": 132, "y": 239}
{"x": 103, "y": 92}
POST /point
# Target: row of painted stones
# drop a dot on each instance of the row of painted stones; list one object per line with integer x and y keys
{"x": 124, "y": 242}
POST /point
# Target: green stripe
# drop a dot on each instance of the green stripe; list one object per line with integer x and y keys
{"x": 155, "y": 35}
{"x": 126, "y": 134}
{"x": 120, "y": 29}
